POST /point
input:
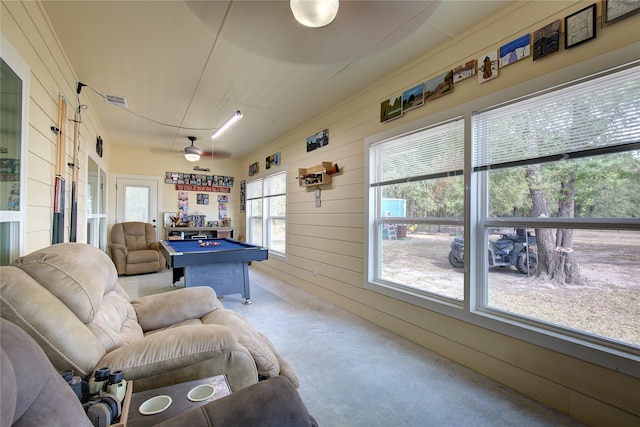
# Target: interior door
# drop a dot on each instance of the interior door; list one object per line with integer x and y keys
{"x": 137, "y": 200}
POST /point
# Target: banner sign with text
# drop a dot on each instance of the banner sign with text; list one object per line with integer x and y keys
{"x": 188, "y": 187}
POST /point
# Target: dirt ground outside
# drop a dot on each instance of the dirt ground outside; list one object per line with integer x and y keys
{"x": 607, "y": 305}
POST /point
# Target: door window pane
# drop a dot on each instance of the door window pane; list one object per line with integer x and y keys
{"x": 137, "y": 203}
{"x": 11, "y": 122}
{"x": 12, "y": 89}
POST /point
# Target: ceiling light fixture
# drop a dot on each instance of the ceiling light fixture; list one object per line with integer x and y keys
{"x": 314, "y": 13}
{"x": 191, "y": 152}
{"x": 222, "y": 129}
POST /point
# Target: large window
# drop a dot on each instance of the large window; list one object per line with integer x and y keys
{"x": 266, "y": 213}
{"x": 416, "y": 198}
{"x": 564, "y": 165}
{"x": 541, "y": 239}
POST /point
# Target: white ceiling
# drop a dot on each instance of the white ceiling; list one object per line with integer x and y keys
{"x": 191, "y": 64}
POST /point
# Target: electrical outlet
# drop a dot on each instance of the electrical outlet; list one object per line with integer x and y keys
{"x": 314, "y": 270}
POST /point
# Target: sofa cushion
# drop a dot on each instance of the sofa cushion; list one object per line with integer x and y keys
{"x": 143, "y": 255}
{"x": 48, "y": 321}
{"x": 136, "y": 235}
{"x": 86, "y": 281}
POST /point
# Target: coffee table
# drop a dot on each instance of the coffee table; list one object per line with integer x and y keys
{"x": 180, "y": 403}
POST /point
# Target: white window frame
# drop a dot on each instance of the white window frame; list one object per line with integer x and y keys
{"x": 97, "y": 219}
{"x": 599, "y": 352}
{"x": 441, "y": 143}
{"x": 19, "y": 66}
{"x": 266, "y": 218}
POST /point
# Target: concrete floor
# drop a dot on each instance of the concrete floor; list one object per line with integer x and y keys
{"x": 356, "y": 374}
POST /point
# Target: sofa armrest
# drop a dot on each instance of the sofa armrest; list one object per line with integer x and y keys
{"x": 286, "y": 370}
{"x": 119, "y": 247}
{"x": 171, "y": 349}
{"x": 119, "y": 256}
{"x": 155, "y": 246}
{"x": 271, "y": 403}
{"x": 162, "y": 310}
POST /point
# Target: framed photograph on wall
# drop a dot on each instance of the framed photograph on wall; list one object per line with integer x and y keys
{"x": 580, "y": 27}
{"x": 617, "y": 10}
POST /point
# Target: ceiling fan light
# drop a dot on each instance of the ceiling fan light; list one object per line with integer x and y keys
{"x": 232, "y": 120}
{"x": 192, "y": 153}
{"x": 314, "y": 13}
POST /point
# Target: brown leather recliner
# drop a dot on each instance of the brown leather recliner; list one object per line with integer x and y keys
{"x": 67, "y": 297}
{"x": 135, "y": 248}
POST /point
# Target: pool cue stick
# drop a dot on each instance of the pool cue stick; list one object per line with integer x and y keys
{"x": 58, "y": 200}
{"x": 73, "y": 226}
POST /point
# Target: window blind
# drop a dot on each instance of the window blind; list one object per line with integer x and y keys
{"x": 429, "y": 153}
{"x": 275, "y": 185}
{"x": 254, "y": 189}
{"x": 596, "y": 114}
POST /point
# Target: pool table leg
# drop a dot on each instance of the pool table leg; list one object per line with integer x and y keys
{"x": 178, "y": 273}
{"x": 246, "y": 295}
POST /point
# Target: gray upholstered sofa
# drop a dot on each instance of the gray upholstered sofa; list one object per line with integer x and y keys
{"x": 67, "y": 298}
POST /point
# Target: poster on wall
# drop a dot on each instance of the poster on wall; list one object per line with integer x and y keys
{"x": 183, "y": 206}
{"x": 243, "y": 195}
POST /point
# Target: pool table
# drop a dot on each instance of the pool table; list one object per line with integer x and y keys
{"x": 222, "y": 264}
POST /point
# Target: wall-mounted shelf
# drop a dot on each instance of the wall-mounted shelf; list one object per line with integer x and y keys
{"x": 315, "y": 175}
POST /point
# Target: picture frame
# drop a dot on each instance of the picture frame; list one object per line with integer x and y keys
{"x": 168, "y": 222}
{"x": 487, "y": 66}
{"x": 464, "y": 71}
{"x": 617, "y": 10}
{"x": 580, "y": 27}
{"x": 438, "y": 86}
{"x": 515, "y": 50}
{"x": 413, "y": 98}
{"x": 317, "y": 140}
{"x": 546, "y": 40}
{"x": 391, "y": 108}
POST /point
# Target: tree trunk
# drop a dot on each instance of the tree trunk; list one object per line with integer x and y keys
{"x": 544, "y": 236}
{"x": 567, "y": 269}
{"x": 556, "y": 258}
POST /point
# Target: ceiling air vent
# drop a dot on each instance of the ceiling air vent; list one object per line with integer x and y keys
{"x": 119, "y": 101}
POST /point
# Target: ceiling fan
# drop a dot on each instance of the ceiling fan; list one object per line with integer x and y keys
{"x": 193, "y": 153}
